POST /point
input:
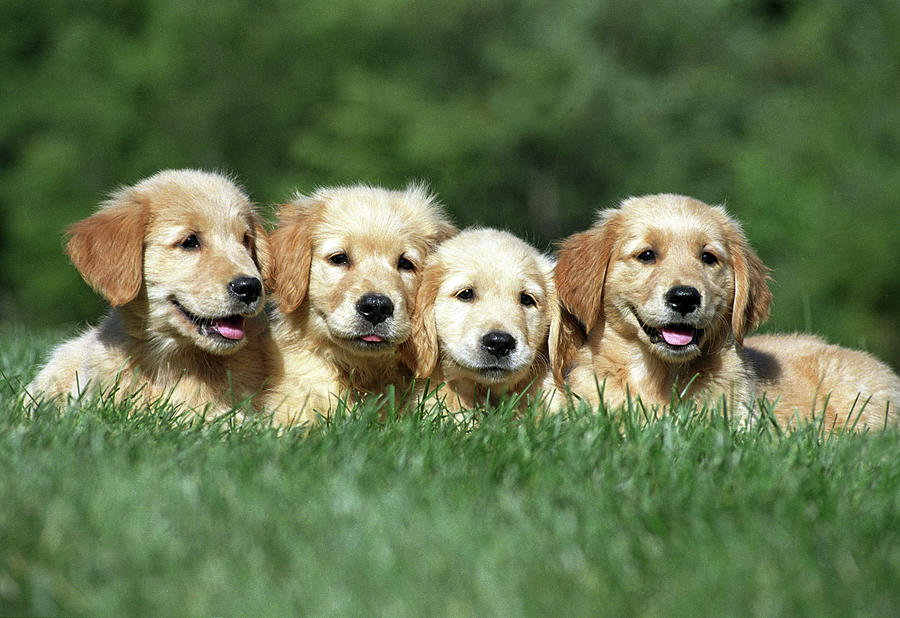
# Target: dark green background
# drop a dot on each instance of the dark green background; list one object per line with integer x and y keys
{"x": 524, "y": 115}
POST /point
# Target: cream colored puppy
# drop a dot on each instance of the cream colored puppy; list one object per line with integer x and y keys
{"x": 347, "y": 263}
{"x": 179, "y": 258}
{"x": 483, "y": 313}
{"x": 665, "y": 288}
{"x": 806, "y": 377}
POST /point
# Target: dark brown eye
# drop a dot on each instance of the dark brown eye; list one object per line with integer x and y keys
{"x": 339, "y": 259}
{"x": 648, "y": 256}
{"x": 191, "y": 242}
{"x": 527, "y": 299}
{"x": 405, "y": 264}
{"x": 708, "y": 258}
{"x": 466, "y": 295}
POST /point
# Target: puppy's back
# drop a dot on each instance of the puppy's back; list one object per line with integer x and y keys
{"x": 74, "y": 366}
{"x": 807, "y": 375}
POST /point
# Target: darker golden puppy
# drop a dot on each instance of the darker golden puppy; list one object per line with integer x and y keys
{"x": 665, "y": 288}
{"x": 179, "y": 257}
{"x": 347, "y": 266}
{"x": 804, "y": 377}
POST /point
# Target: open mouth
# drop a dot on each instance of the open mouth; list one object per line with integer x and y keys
{"x": 228, "y": 329}
{"x": 673, "y": 336}
{"x": 371, "y": 342}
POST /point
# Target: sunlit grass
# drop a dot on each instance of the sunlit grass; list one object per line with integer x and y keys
{"x": 115, "y": 509}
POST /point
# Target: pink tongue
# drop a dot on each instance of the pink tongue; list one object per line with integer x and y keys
{"x": 230, "y": 328}
{"x": 372, "y": 338}
{"x": 677, "y": 336}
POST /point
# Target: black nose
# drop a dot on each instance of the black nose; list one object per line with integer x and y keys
{"x": 376, "y": 308}
{"x": 247, "y": 289}
{"x": 498, "y": 343}
{"x": 683, "y": 299}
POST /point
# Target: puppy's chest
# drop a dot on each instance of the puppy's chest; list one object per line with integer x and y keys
{"x": 464, "y": 393}
{"x": 222, "y": 383}
{"x": 376, "y": 381}
{"x": 661, "y": 383}
{"x": 707, "y": 384}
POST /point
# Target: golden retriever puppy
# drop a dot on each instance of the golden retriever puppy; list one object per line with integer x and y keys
{"x": 178, "y": 256}
{"x": 665, "y": 288}
{"x": 347, "y": 264}
{"x": 482, "y": 317}
{"x": 806, "y": 377}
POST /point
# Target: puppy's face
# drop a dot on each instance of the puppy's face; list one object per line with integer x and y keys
{"x": 363, "y": 278}
{"x": 491, "y": 297}
{"x": 198, "y": 244}
{"x": 669, "y": 281}
{"x": 199, "y": 268}
{"x": 357, "y": 254}
{"x": 668, "y": 271}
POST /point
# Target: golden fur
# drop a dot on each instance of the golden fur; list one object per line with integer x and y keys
{"x": 339, "y": 254}
{"x": 806, "y": 377}
{"x": 482, "y": 316}
{"x": 617, "y": 280}
{"x": 658, "y": 268}
{"x": 179, "y": 258}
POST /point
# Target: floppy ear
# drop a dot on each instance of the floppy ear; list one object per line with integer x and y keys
{"x": 420, "y": 351}
{"x": 565, "y": 337}
{"x": 581, "y": 269}
{"x": 752, "y": 297}
{"x": 291, "y": 249}
{"x": 107, "y": 248}
{"x": 261, "y": 251}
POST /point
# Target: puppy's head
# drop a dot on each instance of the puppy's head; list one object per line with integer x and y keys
{"x": 350, "y": 260}
{"x": 668, "y": 271}
{"x": 182, "y": 251}
{"x": 485, "y": 307}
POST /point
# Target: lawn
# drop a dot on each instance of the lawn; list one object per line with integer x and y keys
{"x": 113, "y": 510}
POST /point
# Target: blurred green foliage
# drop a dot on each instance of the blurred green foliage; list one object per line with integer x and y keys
{"x": 520, "y": 114}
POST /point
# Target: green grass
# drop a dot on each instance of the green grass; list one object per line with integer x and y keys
{"x": 102, "y": 512}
